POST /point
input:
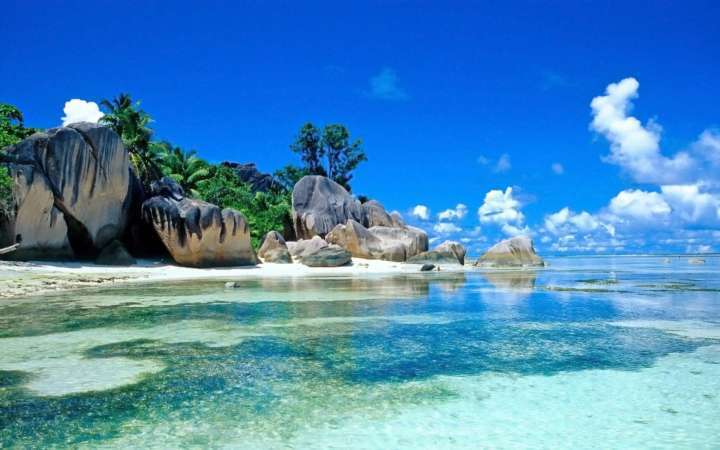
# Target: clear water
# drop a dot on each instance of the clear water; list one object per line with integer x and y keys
{"x": 590, "y": 353}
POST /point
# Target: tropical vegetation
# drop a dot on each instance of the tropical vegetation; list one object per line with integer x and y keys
{"x": 12, "y": 131}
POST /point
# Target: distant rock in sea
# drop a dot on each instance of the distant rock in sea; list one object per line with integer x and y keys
{"x": 513, "y": 252}
{"x": 696, "y": 261}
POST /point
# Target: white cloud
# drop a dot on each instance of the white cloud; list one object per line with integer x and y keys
{"x": 566, "y": 221}
{"x": 557, "y": 168}
{"x": 446, "y": 228}
{"x": 692, "y": 206}
{"x": 512, "y": 230}
{"x": 634, "y": 147}
{"x": 708, "y": 146}
{"x": 422, "y": 212}
{"x": 639, "y": 205}
{"x": 500, "y": 208}
{"x": 503, "y": 164}
{"x": 385, "y": 86}
{"x": 459, "y": 212}
{"x": 77, "y": 110}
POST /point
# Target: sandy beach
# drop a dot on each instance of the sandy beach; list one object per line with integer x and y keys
{"x": 19, "y": 279}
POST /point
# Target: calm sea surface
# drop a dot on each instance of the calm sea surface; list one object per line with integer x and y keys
{"x": 603, "y": 352}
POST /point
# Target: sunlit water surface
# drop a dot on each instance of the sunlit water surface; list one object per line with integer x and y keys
{"x": 604, "y": 352}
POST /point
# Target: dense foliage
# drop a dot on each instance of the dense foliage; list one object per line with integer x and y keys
{"x": 132, "y": 125}
{"x": 265, "y": 211}
{"x": 330, "y": 153}
{"x": 185, "y": 167}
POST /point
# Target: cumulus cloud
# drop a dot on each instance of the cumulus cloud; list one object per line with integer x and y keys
{"x": 502, "y": 209}
{"x": 458, "y": 213}
{"x": 503, "y": 163}
{"x": 708, "y": 146}
{"x": 566, "y": 221}
{"x": 446, "y": 228}
{"x": 385, "y": 86}
{"x": 77, "y": 110}
{"x": 691, "y": 206}
{"x": 639, "y": 205}
{"x": 421, "y": 212}
{"x": 633, "y": 146}
{"x": 557, "y": 168}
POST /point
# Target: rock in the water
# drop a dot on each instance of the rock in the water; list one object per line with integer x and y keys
{"x": 330, "y": 256}
{"x": 304, "y": 247}
{"x": 454, "y": 247}
{"x": 514, "y": 252}
{"x": 197, "y": 233}
{"x": 115, "y": 254}
{"x": 374, "y": 214}
{"x": 435, "y": 257}
{"x": 71, "y": 192}
{"x": 696, "y": 261}
{"x": 274, "y": 249}
{"x": 232, "y": 285}
{"x": 319, "y": 204}
{"x": 248, "y": 173}
{"x": 427, "y": 267}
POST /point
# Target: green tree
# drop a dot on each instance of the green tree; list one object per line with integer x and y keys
{"x": 265, "y": 211}
{"x": 343, "y": 156}
{"x": 185, "y": 167}
{"x": 12, "y": 126}
{"x": 288, "y": 176}
{"x": 330, "y": 153}
{"x": 131, "y": 123}
{"x": 6, "y": 185}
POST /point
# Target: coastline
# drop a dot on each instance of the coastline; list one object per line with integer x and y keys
{"x": 21, "y": 279}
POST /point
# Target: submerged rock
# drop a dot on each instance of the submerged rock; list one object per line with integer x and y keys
{"x": 71, "y": 192}
{"x": 514, "y": 252}
{"x": 274, "y": 249}
{"x": 197, "y": 233}
{"x": 329, "y": 256}
{"x": 319, "y": 204}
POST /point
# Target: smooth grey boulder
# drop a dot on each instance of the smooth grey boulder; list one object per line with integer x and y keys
{"x": 248, "y": 173}
{"x": 274, "y": 249}
{"x": 412, "y": 240}
{"x": 319, "y": 204}
{"x": 304, "y": 247}
{"x": 397, "y": 220}
{"x": 197, "y": 233}
{"x": 427, "y": 267}
{"x": 374, "y": 214}
{"x": 330, "y": 256}
{"x": 435, "y": 257}
{"x": 514, "y": 252}
{"x": 71, "y": 192}
{"x": 115, "y": 254}
{"x": 454, "y": 247}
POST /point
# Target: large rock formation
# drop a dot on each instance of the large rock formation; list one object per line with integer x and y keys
{"x": 274, "y": 249}
{"x": 248, "y": 173}
{"x": 454, "y": 247}
{"x": 318, "y": 204}
{"x": 197, "y": 233}
{"x": 514, "y": 252}
{"x": 413, "y": 240}
{"x": 390, "y": 244}
{"x": 306, "y": 246}
{"x": 374, "y": 214}
{"x": 435, "y": 257}
{"x": 71, "y": 193}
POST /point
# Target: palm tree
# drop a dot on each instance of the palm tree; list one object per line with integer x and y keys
{"x": 185, "y": 167}
{"x": 132, "y": 125}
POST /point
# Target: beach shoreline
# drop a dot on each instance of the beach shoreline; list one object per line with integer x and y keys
{"x": 20, "y": 279}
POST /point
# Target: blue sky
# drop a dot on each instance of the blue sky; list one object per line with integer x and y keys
{"x": 456, "y": 102}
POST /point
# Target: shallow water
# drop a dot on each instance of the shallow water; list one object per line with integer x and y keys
{"x": 602, "y": 352}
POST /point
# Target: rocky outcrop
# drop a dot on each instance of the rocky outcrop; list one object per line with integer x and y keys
{"x": 361, "y": 243}
{"x": 455, "y": 248}
{"x": 514, "y": 252}
{"x": 319, "y": 204}
{"x": 197, "y": 233}
{"x": 435, "y": 257}
{"x": 274, "y": 249}
{"x": 248, "y": 173}
{"x": 412, "y": 240}
{"x": 304, "y": 247}
{"x": 115, "y": 254}
{"x": 329, "y": 256}
{"x": 71, "y": 193}
{"x": 374, "y": 214}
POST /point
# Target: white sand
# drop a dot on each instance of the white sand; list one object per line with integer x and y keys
{"x": 31, "y": 278}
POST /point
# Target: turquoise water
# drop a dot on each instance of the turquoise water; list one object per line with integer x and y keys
{"x": 598, "y": 352}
